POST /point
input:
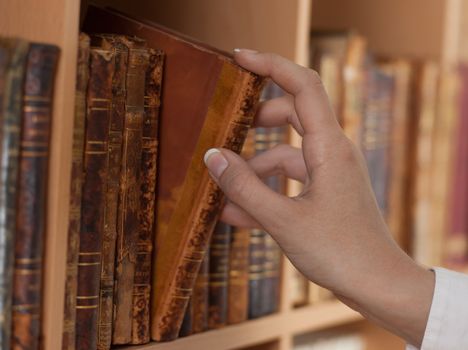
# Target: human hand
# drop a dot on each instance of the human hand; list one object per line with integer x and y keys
{"x": 332, "y": 231}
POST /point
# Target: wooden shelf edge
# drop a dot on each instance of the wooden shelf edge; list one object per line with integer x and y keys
{"x": 265, "y": 329}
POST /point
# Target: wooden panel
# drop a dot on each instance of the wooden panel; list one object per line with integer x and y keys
{"x": 56, "y": 22}
{"x": 393, "y": 27}
{"x": 265, "y": 25}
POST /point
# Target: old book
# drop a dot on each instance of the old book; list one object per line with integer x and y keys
{"x": 95, "y": 164}
{"x": 398, "y": 199}
{"x": 219, "y": 276}
{"x": 426, "y": 113}
{"x": 13, "y": 53}
{"x": 200, "y": 297}
{"x": 31, "y": 197}
{"x": 142, "y": 282}
{"x": 186, "y": 328}
{"x": 214, "y": 109}
{"x": 73, "y": 245}
{"x": 456, "y": 253}
{"x": 376, "y": 127}
{"x": 112, "y": 185}
{"x": 128, "y": 221}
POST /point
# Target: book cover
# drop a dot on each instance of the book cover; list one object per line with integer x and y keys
{"x": 214, "y": 109}
{"x": 31, "y": 197}
{"x": 73, "y": 245}
{"x": 95, "y": 164}
{"x": 142, "y": 282}
{"x": 13, "y": 53}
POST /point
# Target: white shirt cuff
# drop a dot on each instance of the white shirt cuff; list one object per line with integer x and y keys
{"x": 447, "y": 326}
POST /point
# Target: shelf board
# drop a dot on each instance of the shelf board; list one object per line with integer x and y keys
{"x": 265, "y": 329}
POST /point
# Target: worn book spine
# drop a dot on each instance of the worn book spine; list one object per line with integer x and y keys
{"x": 238, "y": 293}
{"x": 186, "y": 328}
{"x": 128, "y": 223}
{"x": 117, "y": 115}
{"x": 13, "y": 53}
{"x": 142, "y": 281}
{"x": 95, "y": 164}
{"x": 31, "y": 200}
{"x": 200, "y": 296}
{"x": 176, "y": 278}
{"x": 73, "y": 245}
{"x": 219, "y": 276}
{"x": 376, "y": 129}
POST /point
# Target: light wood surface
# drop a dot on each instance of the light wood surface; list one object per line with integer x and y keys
{"x": 55, "y": 22}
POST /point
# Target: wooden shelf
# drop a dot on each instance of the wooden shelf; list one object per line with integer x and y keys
{"x": 265, "y": 329}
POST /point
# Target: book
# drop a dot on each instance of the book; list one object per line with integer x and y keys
{"x": 200, "y": 297}
{"x": 376, "y": 127}
{"x": 128, "y": 220}
{"x": 13, "y": 53}
{"x": 142, "y": 281}
{"x": 219, "y": 276}
{"x": 95, "y": 164}
{"x": 456, "y": 252}
{"x": 31, "y": 213}
{"x": 214, "y": 109}
{"x": 73, "y": 244}
{"x": 421, "y": 204}
{"x": 112, "y": 185}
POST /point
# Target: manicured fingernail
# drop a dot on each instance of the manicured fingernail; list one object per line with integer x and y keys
{"x": 237, "y": 50}
{"x": 215, "y": 162}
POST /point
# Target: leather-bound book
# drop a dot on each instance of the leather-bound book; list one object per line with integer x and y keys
{"x": 398, "y": 199}
{"x": 457, "y": 236}
{"x": 376, "y": 128}
{"x": 238, "y": 292}
{"x": 219, "y": 276}
{"x": 106, "y": 289}
{"x": 427, "y": 90}
{"x": 200, "y": 297}
{"x": 73, "y": 245}
{"x": 142, "y": 282}
{"x": 13, "y": 53}
{"x": 186, "y": 328}
{"x": 128, "y": 220}
{"x": 96, "y": 160}
{"x": 208, "y": 101}
{"x": 31, "y": 197}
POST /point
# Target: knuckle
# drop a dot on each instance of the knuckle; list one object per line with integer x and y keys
{"x": 313, "y": 78}
{"x": 235, "y": 184}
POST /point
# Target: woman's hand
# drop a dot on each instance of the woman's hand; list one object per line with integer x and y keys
{"x": 333, "y": 231}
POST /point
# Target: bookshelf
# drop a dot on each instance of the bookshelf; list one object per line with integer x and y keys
{"x": 266, "y": 25}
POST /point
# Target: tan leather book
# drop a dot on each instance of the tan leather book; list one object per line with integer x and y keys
{"x": 208, "y": 101}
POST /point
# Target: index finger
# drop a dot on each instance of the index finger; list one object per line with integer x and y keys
{"x": 313, "y": 108}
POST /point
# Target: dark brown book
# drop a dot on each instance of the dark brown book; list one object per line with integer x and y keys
{"x": 219, "y": 276}
{"x": 200, "y": 297}
{"x": 112, "y": 186}
{"x": 128, "y": 223}
{"x": 238, "y": 293}
{"x": 73, "y": 245}
{"x": 142, "y": 282}
{"x": 13, "y": 53}
{"x": 32, "y": 186}
{"x": 214, "y": 108}
{"x": 96, "y": 159}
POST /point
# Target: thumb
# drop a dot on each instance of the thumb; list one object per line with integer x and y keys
{"x": 242, "y": 186}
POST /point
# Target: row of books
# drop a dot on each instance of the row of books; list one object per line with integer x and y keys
{"x": 27, "y": 72}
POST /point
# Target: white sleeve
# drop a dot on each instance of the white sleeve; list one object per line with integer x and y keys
{"x": 447, "y": 326}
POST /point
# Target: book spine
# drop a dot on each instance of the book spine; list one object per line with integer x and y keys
{"x": 32, "y": 186}
{"x": 256, "y": 273}
{"x": 117, "y": 115}
{"x": 128, "y": 224}
{"x": 142, "y": 281}
{"x": 186, "y": 328}
{"x": 171, "y": 300}
{"x": 238, "y": 293}
{"x": 13, "y": 55}
{"x": 219, "y": 276}
{"x": 95, "y": 164}
{"x": 73, "y": 245}
{"x": 200, "y": 297}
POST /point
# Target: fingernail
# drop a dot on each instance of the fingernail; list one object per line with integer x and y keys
{"x": 237, "y": 50}
{"x": 215, "y": 162}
